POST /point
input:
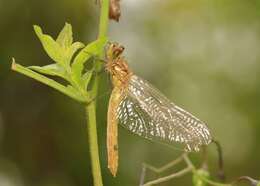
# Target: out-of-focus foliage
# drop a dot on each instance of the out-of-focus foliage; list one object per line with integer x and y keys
{"x": 198, "y": 177}
{"x": 204, "y": 55}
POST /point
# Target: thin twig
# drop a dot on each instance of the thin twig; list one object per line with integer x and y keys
{"x": 166, "y": 178}
{"x": 165, "y": 167}
{"x": 213, "y": 183}
{"x": 189, "y": 168}
{"x": 252, "y": 181}
{"x": 204, "y": 164}
{"x": 158, "y": 170}
{"x": 143, "y": 173}
{"x": 221, "y": 173}
{"x": 188, "y": 162}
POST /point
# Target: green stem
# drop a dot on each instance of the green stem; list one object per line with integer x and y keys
{"x": 103, "y": 21}
{"x": 93, "y": 141}
{"x": 30, "y": 73}
{"x": 215, "y": 183}
{"x": 91, "y": 108}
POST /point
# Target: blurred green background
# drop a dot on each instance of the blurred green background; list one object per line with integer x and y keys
{"x": 203, "y": 54}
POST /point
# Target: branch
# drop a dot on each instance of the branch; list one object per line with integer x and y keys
{"x": 166, "y": 178}
{"x": 91, "y": 108}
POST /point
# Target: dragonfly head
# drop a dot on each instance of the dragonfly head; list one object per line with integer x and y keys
{"x": 114, "y": 50}
{"x": 116, "y": 64}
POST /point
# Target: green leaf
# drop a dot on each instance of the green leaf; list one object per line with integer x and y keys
{"x": 47, "y": 81}
{"x": 72, "y": 49}
{"x": 91, "y": 49}
{"x": 51, "y": 47}
{"x": 86, "y": 79}
{"x": 74, "y": 91}
{"x": 61, "y": 50}
{"x": 199, "y": 176}
{"x": 65, "y": 38}
{"x": 52, "y": 69}
{"x": 258, "y": 184}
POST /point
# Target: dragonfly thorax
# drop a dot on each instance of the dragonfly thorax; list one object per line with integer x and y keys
{"x": 119, "y": 71}
{"x": 117, "y": 66}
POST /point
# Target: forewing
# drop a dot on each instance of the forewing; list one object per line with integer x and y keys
{"x": 147, "y": 112}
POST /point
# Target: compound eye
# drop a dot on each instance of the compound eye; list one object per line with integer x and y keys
{"x": 114, "y": 45}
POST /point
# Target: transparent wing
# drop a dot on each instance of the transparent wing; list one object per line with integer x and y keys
{"x": 147, "y": 112}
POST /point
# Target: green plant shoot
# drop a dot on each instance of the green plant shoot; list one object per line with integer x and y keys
{"x": 65, "y": 66}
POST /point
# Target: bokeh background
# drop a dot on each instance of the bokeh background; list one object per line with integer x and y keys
{"x": 204, "y": 55}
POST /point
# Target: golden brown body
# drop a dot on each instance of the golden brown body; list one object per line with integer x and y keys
{"x": 120, "y": 75}
{"x": 112, "y": 130}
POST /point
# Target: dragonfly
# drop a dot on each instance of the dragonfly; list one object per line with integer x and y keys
{"x": 142, "y": 109}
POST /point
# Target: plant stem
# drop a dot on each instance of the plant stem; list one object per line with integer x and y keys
{"x": 213, "y": 183}
{"x": 166, "y": 178}
{"x": 43, "y": 79}
{"x": 91, "y": 107}
{"x": 103, "y": 21}
{"x": 221, "y": 173}
{"x": 93, "y": 142}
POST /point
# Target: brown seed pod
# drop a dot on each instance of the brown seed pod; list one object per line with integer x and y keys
{"x": 114, "y": 10}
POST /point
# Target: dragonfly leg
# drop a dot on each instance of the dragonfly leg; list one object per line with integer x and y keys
{"x": 159, "y": 170}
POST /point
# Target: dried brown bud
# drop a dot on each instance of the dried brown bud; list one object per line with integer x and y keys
{"x": 114, "y": 10}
